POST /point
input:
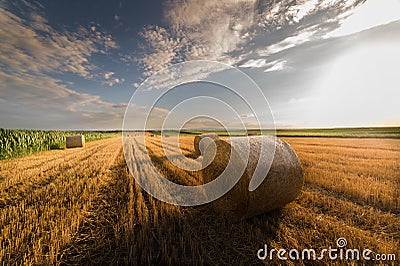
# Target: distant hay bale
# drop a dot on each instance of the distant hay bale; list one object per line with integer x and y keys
{"x": 202, "y": 141}
{"x": 75, "y": 141}
{"x": 281, "y": 185}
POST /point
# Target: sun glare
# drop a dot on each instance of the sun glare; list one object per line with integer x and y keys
{"x": 361, "y": 88}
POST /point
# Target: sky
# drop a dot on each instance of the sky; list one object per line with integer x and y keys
{"x": 319, "y": 63}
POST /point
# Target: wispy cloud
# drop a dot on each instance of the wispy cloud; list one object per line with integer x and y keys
{"x": 31, "y": 52}
{"x": 32, "y": 45}
{"x": 162, "y": 49}
{"x": 223, "y": 30}
{"x": 289, "y": 42}
{"x": 40, "y": 90}
{"x": 197, "y": 30}
{"x": 275, "y": 65}
{"x": 63, "y": 106}
{"x": 254, "y": 63}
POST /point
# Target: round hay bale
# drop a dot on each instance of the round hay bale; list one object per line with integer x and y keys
{"x": 75, "y": 141}
{"x": 202, "y": 141}
{"x": 281, "y": 185}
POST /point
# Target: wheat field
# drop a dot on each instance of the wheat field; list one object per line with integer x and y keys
{"x": 81, "y": 206}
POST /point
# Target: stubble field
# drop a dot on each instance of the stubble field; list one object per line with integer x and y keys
{"x": 81, "y": 206}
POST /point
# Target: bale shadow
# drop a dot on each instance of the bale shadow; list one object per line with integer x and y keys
{"x": 140, "y": 230}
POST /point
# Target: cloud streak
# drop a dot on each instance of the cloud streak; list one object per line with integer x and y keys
{"x": 275, "y": 65}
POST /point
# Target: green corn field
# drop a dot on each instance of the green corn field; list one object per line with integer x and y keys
{"x": 17, "y": 143}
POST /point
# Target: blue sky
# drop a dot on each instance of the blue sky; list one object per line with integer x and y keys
{"x": 320, "y": 63}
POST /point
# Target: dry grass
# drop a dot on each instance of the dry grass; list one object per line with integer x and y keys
{"x": 364, "y": 171}
{"x": 83, "y": 207}
{"x": 44, "y": 199}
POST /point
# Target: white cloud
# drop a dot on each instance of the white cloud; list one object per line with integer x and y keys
{"x": 197, "y": 30}
{"x": 40, "y": 90}
{"x": 31, "y": 50}
{"x": 298, "y": 12}
{"x": 276, "y": 66}
{"x": 254, "y": 63}
{"x": 162, "y": 49}
{"x": 371, "y": 14}
{"x": 221, "y": 30}
{"x": 275, "y": 15}
{"x": 31, "y": 45}
{"x": 289, "y": 42}
{"x": 182, "y": 73}
{"x": 108, "y": 75}
{"x": 114, "y": 81}
{"x": 39, "y": 101}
